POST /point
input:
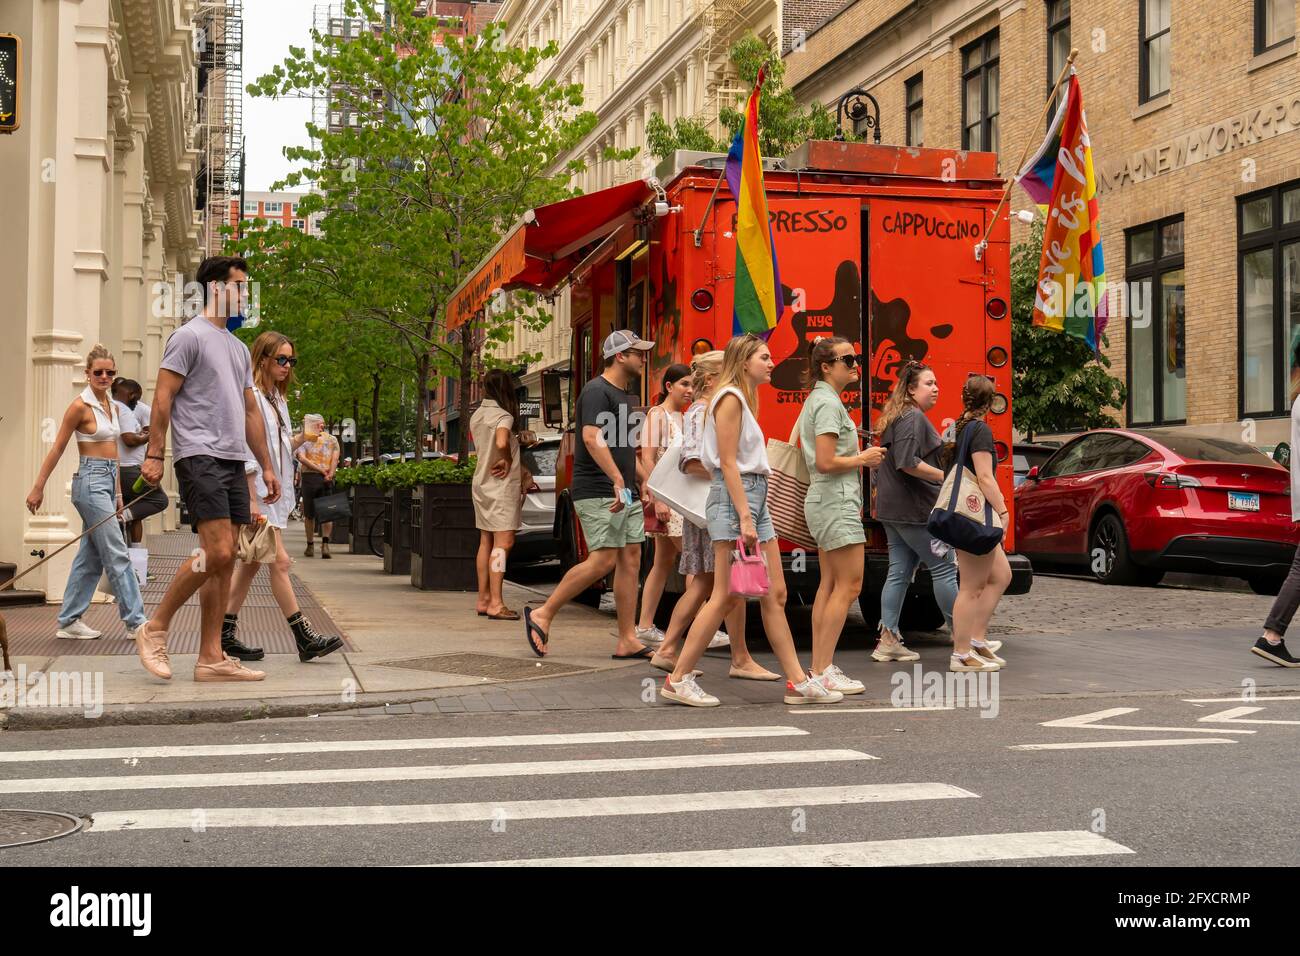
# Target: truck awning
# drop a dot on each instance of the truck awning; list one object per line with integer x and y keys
{"x": 542, "y": 249}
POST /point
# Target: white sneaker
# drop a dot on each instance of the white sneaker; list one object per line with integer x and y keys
{"x": 994, "y": 646}
{"x": 720, "y": 639}
{"x": 893, "y": 652}
{"x": 687, "y": 692}
{"x": 987, "y": 653}
{"x": 76, "y": 631}
{"x": 835, "y": 679}
{"x": 972, "y": 662}
{"x": 649, "y": 635}
{"x": 811, "y": 691}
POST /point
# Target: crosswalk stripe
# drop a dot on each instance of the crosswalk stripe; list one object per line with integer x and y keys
{"x": 424, "y": 743}
{"x": 1237, "y": 715}
{"x": 1104, "y": 744}
{"x": 450, "y": 772}
{"x": 801, "y": 711}
{"x": 917, "y": 851}
{"x": 1090, "y": 722}
{"x": 244, "y": 817}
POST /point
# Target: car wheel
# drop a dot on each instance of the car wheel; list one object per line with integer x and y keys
{"x": 1267, "y": 584}
{"x": 569, "y": 559}
{"x": 1108, "y": 554}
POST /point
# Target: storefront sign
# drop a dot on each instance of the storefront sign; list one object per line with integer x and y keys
{"x": 1278, "y": 116}
{"x": 11, "y": 66}
{"x": 505, "y": 263}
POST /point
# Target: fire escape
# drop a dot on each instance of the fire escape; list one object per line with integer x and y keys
{"x": 219, "y": 46}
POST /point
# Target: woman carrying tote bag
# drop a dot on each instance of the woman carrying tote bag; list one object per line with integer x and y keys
{"x": 981, "y": 578}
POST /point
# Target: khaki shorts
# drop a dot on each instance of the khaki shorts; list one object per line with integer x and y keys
{"x": 834, "y": 514}
{"x": 607, "y": 529}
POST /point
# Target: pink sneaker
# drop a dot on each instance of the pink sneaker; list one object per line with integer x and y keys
{"x": 229, "y": 669}
{"x": 152, "y": 647}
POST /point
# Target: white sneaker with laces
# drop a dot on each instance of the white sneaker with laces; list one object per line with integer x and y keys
{"x": 972, "y": 662}
{"x": 894, "y": 651}
{"x": 720, "y": 639}
{"x": 649, "y": 635}
{"x": 686, "y": 691}
{"x": 835, "y": 679}
{"x": 76, "y": 631}
{"x": 811, "y": 691}
{"x": 987, "y": 652}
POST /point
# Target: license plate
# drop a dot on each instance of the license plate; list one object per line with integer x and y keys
{"x": 1243, "y": 501}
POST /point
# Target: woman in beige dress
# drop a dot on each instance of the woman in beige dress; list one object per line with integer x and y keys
{"x": 498, "y": 488}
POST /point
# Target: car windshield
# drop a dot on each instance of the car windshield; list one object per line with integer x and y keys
{"x": 1204, "y": 448}
{"x": 540, "y": 461}
{"x": 1019, "y": 463}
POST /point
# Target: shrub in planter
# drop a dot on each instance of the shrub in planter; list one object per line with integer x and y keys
{"x": 368, "y": 501}
{"x": 444, "y": 539}
{"x": 396, "y": 481}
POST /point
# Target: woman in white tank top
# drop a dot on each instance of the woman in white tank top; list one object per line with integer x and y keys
{"x": 96, "y": 494}
{"x": 735, "y": 450}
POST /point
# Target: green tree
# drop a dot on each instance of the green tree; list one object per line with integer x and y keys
{"x": 1058, "y": 383}
{"x": 782, "y": 123}
{"x": 453, "y": 140}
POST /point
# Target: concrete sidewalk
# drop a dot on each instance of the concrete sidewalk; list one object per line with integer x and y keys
{"x": 404, "y": 644}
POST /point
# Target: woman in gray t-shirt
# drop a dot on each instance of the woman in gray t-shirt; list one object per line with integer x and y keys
{"x": 907, "y": 483}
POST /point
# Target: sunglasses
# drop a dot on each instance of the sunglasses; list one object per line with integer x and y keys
{"x": 285, "y": 361}
{"x": 851, "y": 360}
{"x": 100, "y": 372}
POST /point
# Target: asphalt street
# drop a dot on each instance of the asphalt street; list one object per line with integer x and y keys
{"x": 1192, "y": 783}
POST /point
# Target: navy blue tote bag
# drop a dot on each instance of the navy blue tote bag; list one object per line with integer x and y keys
{"x": 956, "y": 521}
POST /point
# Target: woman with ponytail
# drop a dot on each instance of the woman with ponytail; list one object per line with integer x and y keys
{"x": 833, "y": 506}
{"x": 96, "y": 494}
{"x": 1270, "y": 645}
{"x": 982, "y": 577}
{"x": 907, "y": 484}
{"x": 663, "y": 425}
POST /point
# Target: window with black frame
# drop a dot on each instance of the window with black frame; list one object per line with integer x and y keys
{"x": 1058, "y": 48}
{"x": 1274, "y": 24}
{"x": 1157, "y": 362}
{"x": 1268, "y": 300}
{"x": 915, "y": 110}
{"x": 979, "y": 99}
{"x": 1154, "y": 48}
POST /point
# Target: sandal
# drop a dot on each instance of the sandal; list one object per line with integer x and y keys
{"x": 530, "y": 629}
{"x": 644, "y": 654}
{"x": 505, "y": 615}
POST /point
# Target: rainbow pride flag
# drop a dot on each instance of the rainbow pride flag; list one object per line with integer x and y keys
{"x": 758, "y": 299}
{"x": 1071, "y": 294}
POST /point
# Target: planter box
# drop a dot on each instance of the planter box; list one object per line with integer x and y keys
{"x": 444, "y": 540}
{"x": 367, "y": 502}
{"x": 397, "y": 532}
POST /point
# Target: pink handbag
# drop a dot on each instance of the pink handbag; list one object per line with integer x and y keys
{"x": 748, "y": 572}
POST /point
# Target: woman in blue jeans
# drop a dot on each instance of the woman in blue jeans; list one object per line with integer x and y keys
{"x": 96, "y": 494}
{"x": 907, "y": 484}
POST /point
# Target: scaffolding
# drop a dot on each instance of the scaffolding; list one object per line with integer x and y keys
{"x": 331, "y": 106}
{"x": 219, "y": 49}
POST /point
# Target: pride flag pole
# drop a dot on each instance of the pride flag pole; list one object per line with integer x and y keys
{"x": 1006, "y": 193}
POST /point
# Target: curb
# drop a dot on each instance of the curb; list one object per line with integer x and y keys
{"x": 65, "y": 718}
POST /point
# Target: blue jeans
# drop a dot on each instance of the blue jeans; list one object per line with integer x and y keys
{"x": 94, "y": 493}
{"x": 909, "y": 544}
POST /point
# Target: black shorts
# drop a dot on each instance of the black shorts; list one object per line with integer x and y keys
{"x": 213, "y": 488}
{"x": 313, "y": 486}
{"x": 154, "y": 502}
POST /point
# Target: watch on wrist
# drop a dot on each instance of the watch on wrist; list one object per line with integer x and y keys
{"x": 156, "y": 457}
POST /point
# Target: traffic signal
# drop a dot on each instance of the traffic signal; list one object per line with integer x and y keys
{"x": 11, "y": 52}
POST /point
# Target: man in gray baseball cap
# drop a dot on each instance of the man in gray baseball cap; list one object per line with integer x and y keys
{"x": 605, "y": 495}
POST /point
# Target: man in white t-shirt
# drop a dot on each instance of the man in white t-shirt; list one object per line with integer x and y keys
{"x": 131, "y": 447}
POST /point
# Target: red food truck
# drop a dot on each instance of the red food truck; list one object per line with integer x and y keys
{"x": 893, "y": 248}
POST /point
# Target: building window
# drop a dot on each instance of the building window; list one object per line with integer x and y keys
{"x": 979, "y": 101}
{"x": 250, "y": 207}
{"x": 1157, "y": 370}
{"x": 1274, "y": 23}
{"x": 1058, "y": 47}
{"x": 915, "y": 112}
{"x": 300, "y": 225}
{"x": 274, "y": 207}
{"x": 1153, "y": 58}
{"x": 1268, "y": 297}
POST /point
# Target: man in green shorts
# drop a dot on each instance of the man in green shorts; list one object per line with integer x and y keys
{"x": 606, "y": 495}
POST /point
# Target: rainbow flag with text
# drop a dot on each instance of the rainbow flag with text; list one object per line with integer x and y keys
{"x": 1071, "y": 293}
{"x": 758, "y": 299}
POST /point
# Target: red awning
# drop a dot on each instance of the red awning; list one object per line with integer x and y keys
{"x": 540, "y": 252}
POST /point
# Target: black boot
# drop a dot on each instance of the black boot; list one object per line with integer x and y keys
{"x": 232, "y": 646}
{"x": 310, "y": 644}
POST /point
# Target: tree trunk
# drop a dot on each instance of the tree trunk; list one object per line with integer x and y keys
{"x": 356, "y": 417}
{"x": 375, "y": 381}
{"x": 466, "y": 380}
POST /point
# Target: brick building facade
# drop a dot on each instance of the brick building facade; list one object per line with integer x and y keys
{"x": 1194, "y": 115}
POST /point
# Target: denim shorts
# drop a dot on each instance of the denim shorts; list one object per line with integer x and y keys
{"x": 724, "y": 522}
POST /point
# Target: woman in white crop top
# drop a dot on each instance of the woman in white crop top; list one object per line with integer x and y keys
{"x": 96, "y": 494}
{"x": 735, "y": 451}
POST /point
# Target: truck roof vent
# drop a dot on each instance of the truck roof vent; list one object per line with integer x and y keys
{"x": 681, "y": 159}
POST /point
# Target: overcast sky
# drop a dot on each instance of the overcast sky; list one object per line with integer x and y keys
{"x": 270, "y": 27}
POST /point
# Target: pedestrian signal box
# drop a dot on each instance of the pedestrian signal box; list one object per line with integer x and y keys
{"x": 11, "y": 61}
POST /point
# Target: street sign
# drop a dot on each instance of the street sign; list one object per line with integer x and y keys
{"x": 11, "y": 65}
{"x": 530, "y": 409}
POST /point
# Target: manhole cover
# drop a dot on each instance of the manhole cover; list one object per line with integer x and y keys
{"x": 485, "y": 665}
{"x": 20, "y": 827}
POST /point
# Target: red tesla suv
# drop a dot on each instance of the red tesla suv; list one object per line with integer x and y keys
{"x": 1131, "y": 505}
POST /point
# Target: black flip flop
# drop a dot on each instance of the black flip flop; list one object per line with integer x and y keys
{"x": 644, "y": 654}
{"x": 482, "y": 613}
{"x": 530, "y": 629}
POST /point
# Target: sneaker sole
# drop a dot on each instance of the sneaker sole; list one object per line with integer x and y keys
{"x": 1274, "y": 660}
{"x": 679, "y": 699}
{"x": 975, "y": 670}
{"x": 798, "y": 699}
{"x": 61, "y": 635}
{"x": 227, "y": 680}
{"x": 889, "y": 658}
